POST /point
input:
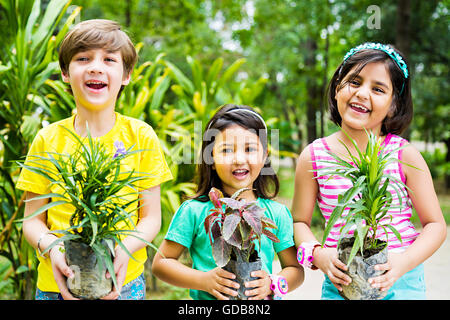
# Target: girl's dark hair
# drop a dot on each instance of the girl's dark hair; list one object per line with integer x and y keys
{"x": 402, "y": 104}
{"x": 266, "y": 185}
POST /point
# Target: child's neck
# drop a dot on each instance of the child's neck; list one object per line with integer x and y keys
{"x": 99, "y": 122}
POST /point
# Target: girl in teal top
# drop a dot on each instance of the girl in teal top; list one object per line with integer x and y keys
{"x": 234, "y": 156}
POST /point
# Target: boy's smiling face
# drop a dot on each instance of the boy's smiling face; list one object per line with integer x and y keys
{"x": 96, "y": 77}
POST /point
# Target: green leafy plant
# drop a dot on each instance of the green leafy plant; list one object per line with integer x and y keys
{"x": 28, "y": 58}
{"x": 233, "y": 230}
{"x": 91, "y": 182}
{"x": 369, "y": 199}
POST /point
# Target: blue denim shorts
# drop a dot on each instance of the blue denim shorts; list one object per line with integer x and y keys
{"x": 133, "y": 290}
{"x": 411, "y": 286}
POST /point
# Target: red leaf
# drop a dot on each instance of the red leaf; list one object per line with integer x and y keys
{"x": 236, "y": 239}
{"x": 214, "y": 196}
{"x": 270, "y": 235}
{"x": 230, "y": 224}
{"x": 209, "y": 219}
{"x": 211, "y": 223}
{"x": 268, "y": 223}
{"x": 254, "y": 220}
{"x": 221, "y": 252}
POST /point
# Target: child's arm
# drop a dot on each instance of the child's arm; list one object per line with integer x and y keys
{"x": 427, "y": 206}
{"x": 36, "y": 231}
{"x": 305, "y": 194}
{"x": 167, "y": 267}
{"x": 291, "y": 271}
{"x": 148, "y": 226}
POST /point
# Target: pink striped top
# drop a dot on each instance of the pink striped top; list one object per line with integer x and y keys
{"x": 330, "y": 189}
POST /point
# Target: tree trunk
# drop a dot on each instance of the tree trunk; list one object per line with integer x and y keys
{"x": 128, "y": 6}
{"x": 403, "y": 27}
{"x": 312, "y": 89}
{"x": 403, "y": 37}
{"x": 447, "y": 159}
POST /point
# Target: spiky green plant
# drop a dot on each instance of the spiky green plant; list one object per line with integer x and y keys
{"x": 369, "y": 199}
{"x": 91, "y": 182}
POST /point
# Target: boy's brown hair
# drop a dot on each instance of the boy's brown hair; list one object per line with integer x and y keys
{"x": 95, "y": 34}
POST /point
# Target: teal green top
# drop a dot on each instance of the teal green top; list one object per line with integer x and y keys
{"x": 187, "y": 229}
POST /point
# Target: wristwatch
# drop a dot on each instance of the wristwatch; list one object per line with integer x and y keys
{"x": 305, "y": 254}
{"x": 279, "y": 286}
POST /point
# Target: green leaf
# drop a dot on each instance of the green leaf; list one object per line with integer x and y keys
{"x": 396, "y": 233}
{"x": 57, "y": 241}
{"x": 45, "y": 30}
{"x": 355, "y": 248}
{"x": 213, "y": 72}
{"x": 179, "y": 77}
{"x": 197, "y": 72}
{"x": 159, "y": 93}
{"x": 230, "y": 71}
{"x": 335, "y": 215}
{"x": 42, "y": 209}
{"x": 46, "y": 196}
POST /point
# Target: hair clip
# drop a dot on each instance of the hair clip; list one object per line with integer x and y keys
{"x": 383, "y": 47}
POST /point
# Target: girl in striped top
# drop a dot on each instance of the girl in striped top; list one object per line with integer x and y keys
{"x": 369, "y": 90}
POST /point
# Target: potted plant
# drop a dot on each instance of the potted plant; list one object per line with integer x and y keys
{"x": 91, "y": 181}
{"x": 368, "y": 201}
{"x": 233, "y": 226}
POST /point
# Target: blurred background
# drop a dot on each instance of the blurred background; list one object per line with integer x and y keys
{"x": 274, "y": 55}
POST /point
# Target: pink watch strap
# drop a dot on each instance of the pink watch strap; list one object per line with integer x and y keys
{"x": 305, "y": 254}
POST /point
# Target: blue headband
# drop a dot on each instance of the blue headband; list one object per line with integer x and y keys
{"x": 385, "y": 48}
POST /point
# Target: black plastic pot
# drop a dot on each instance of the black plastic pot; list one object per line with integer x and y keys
{"x": 90, "y": 280}
{"x": 242, "y": 270}
{"x": 360, "y": 270}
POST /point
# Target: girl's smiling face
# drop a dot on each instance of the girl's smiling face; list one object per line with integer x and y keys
{"x": 238, "y": 158}
{"x": 364, "y": 101}
{"x": 96, "y": 77}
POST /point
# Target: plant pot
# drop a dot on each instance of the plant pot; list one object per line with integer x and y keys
{"x": 90, "y": 280}
{"x": 242, "y": 270}
{"x": 360, "y": 270}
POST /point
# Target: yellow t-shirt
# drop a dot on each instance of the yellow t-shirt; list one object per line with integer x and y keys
{"x": 54, "y": 138}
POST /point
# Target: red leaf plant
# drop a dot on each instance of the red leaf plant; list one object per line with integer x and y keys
{"x": 233, "y": 229}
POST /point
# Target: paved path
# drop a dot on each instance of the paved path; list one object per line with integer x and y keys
{"x": 437, "y": 277}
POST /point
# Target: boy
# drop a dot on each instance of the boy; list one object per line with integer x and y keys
{"x": 96, "y": 60}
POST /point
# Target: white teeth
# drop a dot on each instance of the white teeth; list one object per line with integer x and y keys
{"x": 359, "y": 107}
{"x": 240, "y": 171}
{"x": 95, "y": 82}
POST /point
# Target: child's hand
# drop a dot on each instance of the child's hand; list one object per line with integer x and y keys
{"x": 326, "y": 259}
{"x": 61, "y": 271}
{"x": 395, "y": 268}
{"x": 219, "y": 282}
{"x": 261, "y": 287}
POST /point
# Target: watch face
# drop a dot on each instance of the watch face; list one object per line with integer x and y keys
{"x": 282, "y": 285}
{"x": 300, "y": 255}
